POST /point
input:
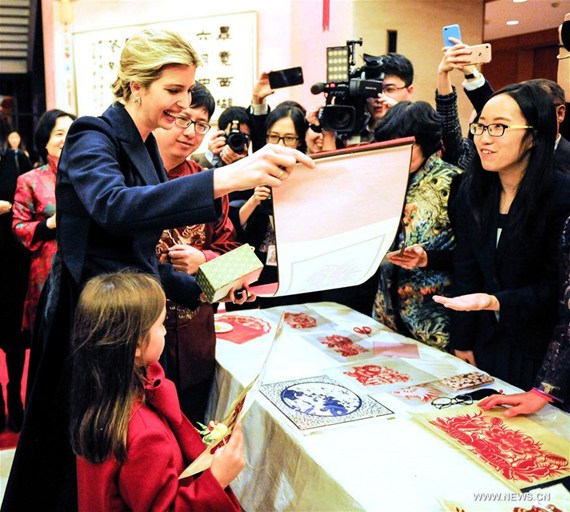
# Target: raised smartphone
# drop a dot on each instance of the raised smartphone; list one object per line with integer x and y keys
{"x": 285, "y": 77}
{"x": 450, "y": 31}
{"x": 480, "y": 54}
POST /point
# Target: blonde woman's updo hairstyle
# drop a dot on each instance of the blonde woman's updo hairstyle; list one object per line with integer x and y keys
{"x": 146, "y": 54}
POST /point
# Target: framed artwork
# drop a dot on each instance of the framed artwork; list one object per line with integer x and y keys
{"x": 316, "y": 402}
{"x": 226, "y": 45}
{"x": 518, "y": 451}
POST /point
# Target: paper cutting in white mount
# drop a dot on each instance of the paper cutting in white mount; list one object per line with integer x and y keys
{"x": 419, "y": 394}
{"x": 316, "y": 402}
{"x": 340, "y": 345}
{"x": 380, "y": 374}
{"x": 300, "y": 318}
{"x": 335, "y": 223}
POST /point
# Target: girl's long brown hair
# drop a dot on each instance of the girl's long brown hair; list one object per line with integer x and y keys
{"x": 114, "y": 313}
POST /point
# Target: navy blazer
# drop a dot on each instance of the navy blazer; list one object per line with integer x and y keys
{"x": 523, "y": 275}
{"x": 114, "y": 200}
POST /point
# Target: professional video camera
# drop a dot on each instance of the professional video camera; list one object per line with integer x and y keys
{"x": 347, "y": 89}
{"x": 236, "y": 139}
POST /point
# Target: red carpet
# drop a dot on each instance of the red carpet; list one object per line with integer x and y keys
{"x": 9, "y": 439}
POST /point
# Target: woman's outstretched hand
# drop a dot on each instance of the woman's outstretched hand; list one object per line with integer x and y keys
{"x": 521, "y": 403}
{"x": 269, "y": 166}
{"x": 469, "y": 302}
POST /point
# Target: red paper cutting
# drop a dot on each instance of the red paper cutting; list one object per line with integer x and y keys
{"x": 342, "y": 345}
{"x": 300, "y": 321}
{"x": 245, "y": 328}
{"x": 374, "y": 375}
{"x": 512, "y": 453}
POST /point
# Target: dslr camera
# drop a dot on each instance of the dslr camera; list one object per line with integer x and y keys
{"x": 347, "y": 89}
{"x": 236, "y": 139}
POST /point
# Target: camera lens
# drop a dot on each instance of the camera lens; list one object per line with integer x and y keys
{"x": 338, "y": 118}
{"x": 236, "y": 141}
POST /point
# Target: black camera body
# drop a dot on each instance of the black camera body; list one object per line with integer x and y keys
{"x": 345, "y": 111}
{"x": 237, "y": 140}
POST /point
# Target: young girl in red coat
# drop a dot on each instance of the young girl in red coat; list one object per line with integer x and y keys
{"x": 127, "y": 430}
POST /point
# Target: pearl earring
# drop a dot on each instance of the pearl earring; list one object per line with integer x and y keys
{"x": 137, "y": 100}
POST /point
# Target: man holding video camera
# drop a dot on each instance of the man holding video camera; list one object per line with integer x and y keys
{"x": 397, "y": 85}
{"x": 355, "y": 104}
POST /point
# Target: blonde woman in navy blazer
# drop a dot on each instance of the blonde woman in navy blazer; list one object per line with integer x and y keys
{"x": 113, "y": 202}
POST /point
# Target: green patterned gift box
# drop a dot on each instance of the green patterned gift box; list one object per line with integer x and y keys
{"x": 230, "y": 270}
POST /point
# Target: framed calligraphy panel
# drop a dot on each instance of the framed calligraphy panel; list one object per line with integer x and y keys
{"x": 226, "y": 45}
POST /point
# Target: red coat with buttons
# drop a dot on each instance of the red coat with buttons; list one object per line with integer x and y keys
{"x": 161, "y": 442}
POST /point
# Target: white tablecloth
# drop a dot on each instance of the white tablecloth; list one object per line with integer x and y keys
{"x": 386, "y": 463}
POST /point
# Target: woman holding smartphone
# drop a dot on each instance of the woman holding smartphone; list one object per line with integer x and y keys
{"x": 510, "y": 211}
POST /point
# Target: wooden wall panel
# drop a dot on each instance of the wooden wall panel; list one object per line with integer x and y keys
{"x": 523, "y": 57}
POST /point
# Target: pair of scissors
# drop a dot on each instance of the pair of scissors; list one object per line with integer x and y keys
{"x": 363, "y": 330}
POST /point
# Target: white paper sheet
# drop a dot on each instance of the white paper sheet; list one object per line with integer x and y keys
{"x": 334, "y": 224}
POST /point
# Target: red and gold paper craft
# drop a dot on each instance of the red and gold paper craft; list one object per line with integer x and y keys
{"x": 518, "y": 451}
{"x": 236, "y": 412}
{"x": 245, "y": 328}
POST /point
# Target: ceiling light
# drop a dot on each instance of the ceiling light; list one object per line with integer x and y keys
{"x": 518, "y": 1}
{"x": 513, "y": 22}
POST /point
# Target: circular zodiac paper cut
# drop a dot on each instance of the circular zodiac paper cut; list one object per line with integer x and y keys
{"x": 321, "y": 399}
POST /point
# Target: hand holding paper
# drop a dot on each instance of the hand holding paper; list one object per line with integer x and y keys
{"x": 228, "y": 460}
{"x": 264, "y": 167}
{"x": 409, "y": 257}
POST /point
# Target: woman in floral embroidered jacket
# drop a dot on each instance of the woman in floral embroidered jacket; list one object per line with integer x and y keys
{"x": 403, "y": 301}
{"x": 33, "y": 219}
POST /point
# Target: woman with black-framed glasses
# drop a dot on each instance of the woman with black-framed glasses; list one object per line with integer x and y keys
{"x": 510, "y": 210}
{"x": 284, "y": 126}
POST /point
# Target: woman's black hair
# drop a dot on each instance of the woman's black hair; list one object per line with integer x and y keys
{"x": 6, "y": 146}
{"x": 417, "y": 119}
{"x": 44, "y": 127}
{"x": 289, "y": 109}
{"x": 484, "y": 187}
